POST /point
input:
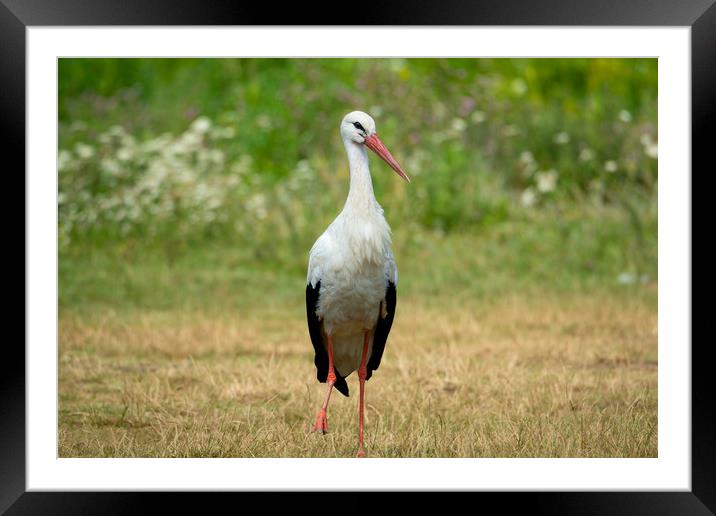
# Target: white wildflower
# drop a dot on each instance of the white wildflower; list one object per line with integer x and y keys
{"x": 625, "y": 116}
{"x": 561, "y": 138}
{"x": 626, "y": 278}
{"x": 303, "y": 170}
{"x": 124, "y": 154}
{"x": 188, "y": 142}
{"x": 529, "y": 165}
{"x": 586, "y": 154}
{"x": 546, "y": 181}
{"x": 528, "y": 197}
{"x": 84, "y": 151}
{"x": 478, "y": 117}
{"x": 216, "y": 156}
{"x": 64, "y": 159}
{"x": 110, "y": 166}
{"x": 127, "y": 141}
{"x": 458, "y": 124}
{"x": 611, "y": 166}
{"x": 158, "y": 144}
{"x": 651, "y": 148}
{"x": 242, "y": 166}
{"x": 257, "y": 205}
{"x": 201, "y": 125}
{"x": 116, "y": 130}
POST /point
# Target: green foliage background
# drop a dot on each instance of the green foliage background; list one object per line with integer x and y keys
{"x": 184, "y": 182}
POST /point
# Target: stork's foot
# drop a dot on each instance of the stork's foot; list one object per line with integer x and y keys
{"x": 361, "y": 453}
{"x": 321, "y": 425}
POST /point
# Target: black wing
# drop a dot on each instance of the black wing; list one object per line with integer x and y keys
{"x": 316, "y": 333}
{"x": 382, "y": 329}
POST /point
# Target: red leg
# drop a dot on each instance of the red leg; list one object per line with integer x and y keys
{"x": 322, "y": 417}
{"x": 362, "y": 372}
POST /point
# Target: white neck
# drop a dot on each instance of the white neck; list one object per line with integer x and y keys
{"x": 360, "y": 194}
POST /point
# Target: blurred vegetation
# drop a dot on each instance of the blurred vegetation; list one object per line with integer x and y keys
{"x": 199, "y": 172}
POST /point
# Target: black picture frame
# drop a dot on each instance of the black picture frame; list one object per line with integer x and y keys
{"x": 17, "y": 15}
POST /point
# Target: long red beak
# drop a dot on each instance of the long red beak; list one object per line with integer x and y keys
{"x": 374, "y": 144}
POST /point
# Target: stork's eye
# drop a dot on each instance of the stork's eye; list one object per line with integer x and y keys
{"x": 358, "y": 126}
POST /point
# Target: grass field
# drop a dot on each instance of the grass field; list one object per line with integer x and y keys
{"x": 537, "y": 372}
{"x": 556, "y": 377}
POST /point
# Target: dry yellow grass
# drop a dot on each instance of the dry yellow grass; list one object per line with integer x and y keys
{"x": 558, "y": 376}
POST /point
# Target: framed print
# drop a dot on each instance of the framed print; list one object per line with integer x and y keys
{"x": 207, "y": 258}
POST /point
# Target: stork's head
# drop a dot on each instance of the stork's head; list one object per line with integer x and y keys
{"x": 359, "y": 127}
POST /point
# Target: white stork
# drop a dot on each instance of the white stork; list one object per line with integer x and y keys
{"x": 351, "y": 296}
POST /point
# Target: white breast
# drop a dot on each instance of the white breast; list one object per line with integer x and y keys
{"x": 353, "y": 261}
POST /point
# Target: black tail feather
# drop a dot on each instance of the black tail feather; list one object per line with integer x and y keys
{"x": 341, "y": 385}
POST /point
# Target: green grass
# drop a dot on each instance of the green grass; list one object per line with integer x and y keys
{"x": 573, "y": 250}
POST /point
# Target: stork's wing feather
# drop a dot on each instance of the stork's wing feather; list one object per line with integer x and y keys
{"x": 314, "y": 329}
{"x": 382, "y": 329}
